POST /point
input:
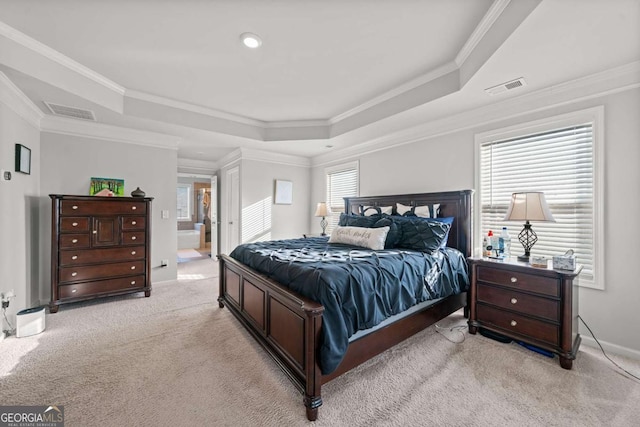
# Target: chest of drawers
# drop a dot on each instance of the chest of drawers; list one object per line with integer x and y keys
{"x": 538, "y": 306}
{"x": 100, "y": 246}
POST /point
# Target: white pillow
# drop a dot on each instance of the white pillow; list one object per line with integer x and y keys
{"x": 430, "y": 211}
{"x": 402, "y": 209}
{"x": 372, "y": 238}
{"x": 374, "y": 210}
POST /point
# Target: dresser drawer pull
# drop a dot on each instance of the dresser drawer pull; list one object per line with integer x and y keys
{"x": 133, "y": 252}
{"x": 74, "y": 274}
{"x": 134, "y": 207}
{"x": 73, "y": 291}
{"x": 74, "y": 207}
{"x": 95, "y": 231}
{"x": 133, "y": 282}
{"x": 133, "y": 267}
{"x": 133, "y": 237}
{"x": 514, "y": 300}
{"x": 514, "y": 323}
{"x": 514, "y": 279}
{"x": 74, "y": 257}
{"x": 75, "y": 224}
{"x": 74, "y": 241}
{"x": 133, "y": 222}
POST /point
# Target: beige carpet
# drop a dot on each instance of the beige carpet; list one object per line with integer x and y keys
{"x": 176, "y": 359}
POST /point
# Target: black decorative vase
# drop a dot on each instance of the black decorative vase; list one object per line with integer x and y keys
{"x": 137, "y": 193}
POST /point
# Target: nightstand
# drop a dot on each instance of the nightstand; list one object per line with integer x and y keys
{"x": 538, "y": 306}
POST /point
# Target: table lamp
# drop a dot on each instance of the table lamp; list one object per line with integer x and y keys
{"x": 323, "y": 211}
{"x": 530, "y": 206}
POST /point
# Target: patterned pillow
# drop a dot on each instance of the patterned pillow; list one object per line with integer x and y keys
{"x": 357, "y": 220}
{"x": 373, "y": 210}
{"x": 421, "y": 235}
{"x": 373, "y": 221}
{"x": 371, "y": 238}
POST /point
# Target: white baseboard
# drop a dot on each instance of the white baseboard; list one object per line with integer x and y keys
{"x": 612, "y": 348}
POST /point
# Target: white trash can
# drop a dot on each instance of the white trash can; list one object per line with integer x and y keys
{"x": 29, "y": 322}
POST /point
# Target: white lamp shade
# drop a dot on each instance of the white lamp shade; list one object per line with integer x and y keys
{"x": 322, "y": 209}
{"x": 528, "y": 207}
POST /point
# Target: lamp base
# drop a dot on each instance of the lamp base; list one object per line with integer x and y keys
{"x": 523, "y": 258}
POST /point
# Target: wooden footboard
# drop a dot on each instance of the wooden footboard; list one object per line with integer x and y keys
{"x": 285, "y": 324}
{"x": 288, "y": 327}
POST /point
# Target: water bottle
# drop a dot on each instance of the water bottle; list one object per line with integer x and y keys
{"x": 505, "y": 243}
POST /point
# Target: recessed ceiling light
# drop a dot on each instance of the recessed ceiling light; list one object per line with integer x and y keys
{"x": 251, "y": 40}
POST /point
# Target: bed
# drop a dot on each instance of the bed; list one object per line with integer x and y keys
{"x": 289, "y": 325}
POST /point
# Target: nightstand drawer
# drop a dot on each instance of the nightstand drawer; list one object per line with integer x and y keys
{"x": 517, "y": 324}
{"x": 519, "y": 281}
{"x": 519, "y": 302}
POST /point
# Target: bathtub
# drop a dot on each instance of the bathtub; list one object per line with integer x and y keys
{"x": 188, "y": 239}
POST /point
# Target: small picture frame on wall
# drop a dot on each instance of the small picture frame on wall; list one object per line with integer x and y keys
{"x": 284, "y": 192}
{"x": 23, "y": 159}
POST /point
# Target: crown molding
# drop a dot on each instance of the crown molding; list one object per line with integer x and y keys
{"x": 105, "y": 132}
{"x": 277, "y": 158}
{"x": 597, "y": 85}
{"x": 202, "y": 167}
{"x": 16, "y": 100}
{"x": 230, "y": 159}
{"x": 487, "y": 21}
{"x": 52, "y": 54}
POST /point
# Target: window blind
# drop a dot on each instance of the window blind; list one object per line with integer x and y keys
{"x": 341, "y": 183}
{"x": 559, "y": 163}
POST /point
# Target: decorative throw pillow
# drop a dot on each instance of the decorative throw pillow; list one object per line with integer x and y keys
{"x": 421, "y": 235}
{"x": 357, "y": 220}
{"x": 371, "y": 238}
{"x": 393, "y": 237}
{"x": 373, "y": 221}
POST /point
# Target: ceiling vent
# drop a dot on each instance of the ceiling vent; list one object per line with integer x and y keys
{"x": 72, "y": 112}
{"x": 503, "y": 87}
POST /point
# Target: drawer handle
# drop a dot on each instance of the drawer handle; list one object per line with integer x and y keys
{"x": 133, "y": 282}
{"x": 133, "y": 267}
{"x": 133, "y": 237}
{"x": 73, "y": 291}
{"x": 74, "y": 241}
{"x": 133, "y": 252}
{"x": 514, "y": 323}
{"x": 75, "y": 224}
{"x": 95, "y": 231}
{"x": 74, "y": 207}
{"x": 514, "y": 279}
{"x": 74, "y": 274}
{"x": 134, "y": 208}
{"x": 514, "y": 300}
{"x": 133, "y": 222}
{"x": 74, "y": 257}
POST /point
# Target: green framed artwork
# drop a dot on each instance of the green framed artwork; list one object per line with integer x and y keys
{"x": 99, "y": 184}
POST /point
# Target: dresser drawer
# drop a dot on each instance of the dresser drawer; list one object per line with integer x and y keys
{"x": 515, "y": 323}
{"x": 133, "y": 223}
{"x": 519, "y": 302}
{"x": 71, "y": 257}
{"x": 70, "y": 241}
{"x": 101, "y": 286}
{"x": 519, "y": 281}
{"x": 133, "y": 237}
{"x": 90, "y": 272}
{"x": 99, "y": 207}
{"x": 74, "y": 224}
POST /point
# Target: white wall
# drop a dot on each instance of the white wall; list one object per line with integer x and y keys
{"x": 20, "y": 236}
{"x": 71, "y": 161}
{"x": 447, "y": 163}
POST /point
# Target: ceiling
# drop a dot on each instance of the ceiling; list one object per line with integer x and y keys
{"x": 327, "y": 74}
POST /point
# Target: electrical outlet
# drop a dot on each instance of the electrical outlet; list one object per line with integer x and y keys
{"x": 164, "y": 263}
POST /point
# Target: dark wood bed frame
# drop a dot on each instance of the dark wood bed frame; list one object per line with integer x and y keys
{"x": 288, "y": 325}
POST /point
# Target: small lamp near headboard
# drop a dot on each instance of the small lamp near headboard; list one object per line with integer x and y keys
{"x": 322, "y": 210}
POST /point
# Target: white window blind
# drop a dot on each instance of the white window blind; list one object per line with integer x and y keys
{"x": 558, "y": 162}
{"x": 183, "y": 211}
{"x": 342, "y": 181}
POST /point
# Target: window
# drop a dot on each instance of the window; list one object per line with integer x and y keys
{"x": 184, "y": 202}
{"x": 342, "y": 181}
{"x": 557, "y": 157}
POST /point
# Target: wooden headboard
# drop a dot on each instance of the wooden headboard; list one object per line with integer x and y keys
{"x": 452, "y": 203}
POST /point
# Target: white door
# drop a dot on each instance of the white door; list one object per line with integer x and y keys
{"x": 233, "y": 208}
{"x": 213, "y": 214}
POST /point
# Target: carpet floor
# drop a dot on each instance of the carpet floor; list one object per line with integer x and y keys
{"x": 177, "y": 359}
